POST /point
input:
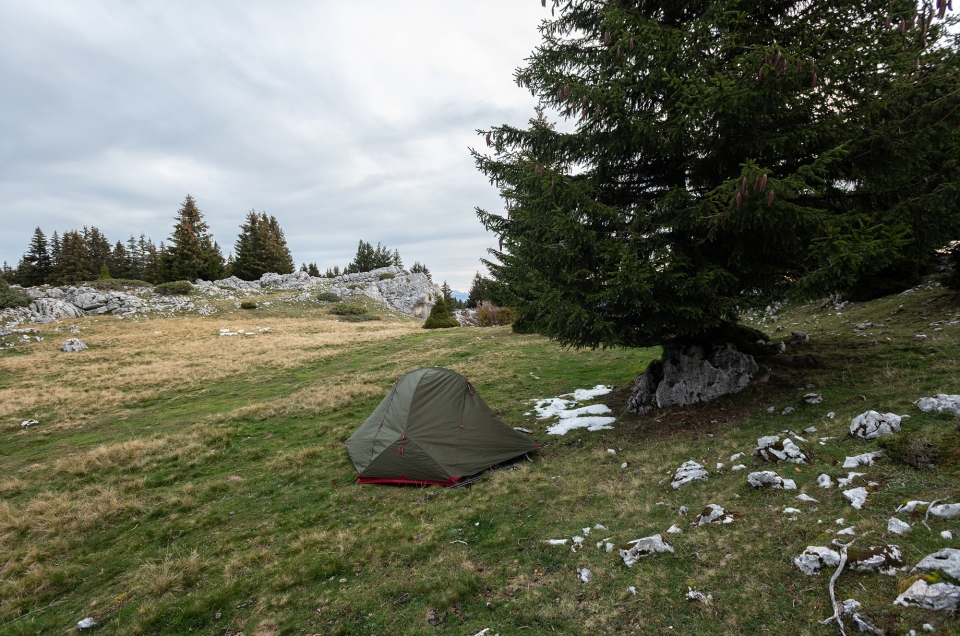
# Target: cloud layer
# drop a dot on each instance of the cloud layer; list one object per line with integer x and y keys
{"x": 347, "y": 121}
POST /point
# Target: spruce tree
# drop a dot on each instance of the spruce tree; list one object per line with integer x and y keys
{"x": 720, "y": 155}
{"x": 120, "y": 262}
{"x": 74, "y": 267}
{"x": 98, "y": 251}
{"x": 418, "y": 268}
{"x": 440, "y": 317}
{"x": 313, "y": 270}
{"x": 192, "y": 253}
{"x": 35, "y": 267}
{"x": 261, "y": 248}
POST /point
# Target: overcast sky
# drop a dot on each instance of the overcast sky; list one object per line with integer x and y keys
{"x": 347, "y": 121}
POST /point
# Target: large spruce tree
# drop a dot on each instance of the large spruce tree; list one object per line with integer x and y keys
{"x": 74, "y": 265}
{"x": 192, "y": 252}
{"x": 261, "y": 248}
{"x": 722, "y": 153}
{"x": 36, "y": 266}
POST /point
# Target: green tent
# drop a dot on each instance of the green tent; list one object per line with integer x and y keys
{"x": 432, "y": 428}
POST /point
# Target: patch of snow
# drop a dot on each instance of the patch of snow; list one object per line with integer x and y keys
{"x": 589, "y": 394}
{"x": 566, "y": 425}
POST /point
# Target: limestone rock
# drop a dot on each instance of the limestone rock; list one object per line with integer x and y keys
{"x": 73, "y": 345}
{"x": 886, "y": 559}
{"x": 936, "y": 597}
{"x": 815, "y": 558}
{"x": 864, "y": 459}
{"x": 412, "y": 294}
{"x": 871, "y": 425}
{"x": 895, "y": 526}
{"x": 688, "y": 471}
{"x": 856, "y": 496}
{"x": 946, "y": 561}
{"x": 690, "y": 376}
{"x": 46, "y": 310}
{"x": 713, "y": 513}
{"x": 235, "y": 283}
{"x": 799, "y": 338}
{"x": 940, "y": 403}
{"x": 770, "y": 479}
{"x": 780, "y": 448}
{"x": 639, "y": 548}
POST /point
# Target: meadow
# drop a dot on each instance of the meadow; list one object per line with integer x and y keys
{"x": 180, "y": 481}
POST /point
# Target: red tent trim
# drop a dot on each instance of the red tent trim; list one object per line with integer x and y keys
{"x": 411, "y": 482}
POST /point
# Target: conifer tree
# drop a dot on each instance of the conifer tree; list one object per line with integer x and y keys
{"x": 417, "y": 268}
{"x": 98, "y": 250}
{"x": 74, "y": 266}
{"x": 120, "y": 265}
{"x": 35, "y": 267}
{"x": 54, "y": 255}
{"x": 313, "y": 270}
{"x": 440, "y": 317}
{"x": 192, "y": 253}
{"x": 261, "y": 248}
{"x": 722, "y": 154}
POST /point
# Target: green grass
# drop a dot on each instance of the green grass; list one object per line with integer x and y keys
{"x": 183, "y": 513}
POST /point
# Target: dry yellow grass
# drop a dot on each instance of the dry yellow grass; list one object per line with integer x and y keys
{"x": 130, "y": 361}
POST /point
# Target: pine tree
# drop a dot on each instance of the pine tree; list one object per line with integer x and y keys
{"x": 420, "y": 269}
{"x": 440, "y": 317}
{"x": 119, "y": 264}
{"x": 480, "y": 289}
{"x": 98, "y": 250}
{"x": 261, "y": 248}
{"x": 313, "y": 270}
{"x": 35, "y": 267}
{"x": 192, "y": 253}
{"x": 723, "y": 154}
{"x": 54, "y": 255}
{"x": 74, "y": 264}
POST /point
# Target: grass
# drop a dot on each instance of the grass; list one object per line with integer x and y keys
{"x": 182, "y": 482}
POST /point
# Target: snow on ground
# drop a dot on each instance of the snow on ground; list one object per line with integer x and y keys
{"x": 564, "y": 407}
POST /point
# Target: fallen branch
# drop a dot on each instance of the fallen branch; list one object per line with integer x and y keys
{"x": 837, "y": 607}
{"x": 926, "y": 517}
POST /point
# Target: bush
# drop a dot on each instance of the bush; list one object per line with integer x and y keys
{"x": 387, "y": 276}
{"x": 104, "y": 273}
{"x": 440, "y": 317}
{"x": 328, "y": 297}
{"x": 183, "y": 287}
{"x": 248, "y": 304}
{"x": 12, "y": 297}
{"x": 489, "y": 315}
{"x": 911, "y": 449}
{"x": 348, "y": 309}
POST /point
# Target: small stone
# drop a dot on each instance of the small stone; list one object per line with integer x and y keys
{"x": 895, "y": 526}
{"x": 689, "y": 471}
{"x": 86, "y": 623}
{"x": 850, "y": 531}
{"x": 871, "y": 425}
{"x": 73, "y": 345}
{"x": 946, "y": 534}
{"x": 886, "y": 559}
{"x": 843, "y": 481}
{"x": 814, "y": 558}
{"x": 343, "y": 580}
{"x": 623, "y": 465}
{"x": 739, "y": 467}
{"x": 635, "y": 550}
{"x": 788, "y": 410}
{"x": 674, "y": 529}
{"x": 713, "y": 514}
{"x": 698, "y": 596}
{"x": 864, "y": 459}
{"x": 831, "y": 415}
{"x": 927, "y": 627}
{"x": 735, "y": 457}
{"x": 813, "y": 398}
{"x": 770, "y": 479}
{"x": 792, "y": 511}
{"x": 720, "y": 465}
{"x": 683, "y": 510}
{"x": 584, "y": 575}
{"x": 611, "y": 451}
{"x": 28, "y": 423}
{"x": 771, "y": 409}
{"x": 856, "y": 496}
{"x": 810, "y": 429}
{"x": 805, "y": 497}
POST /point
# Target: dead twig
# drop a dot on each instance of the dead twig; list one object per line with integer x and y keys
{"x": 837, "y": 607}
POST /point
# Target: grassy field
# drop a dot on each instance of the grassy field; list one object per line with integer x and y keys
{"x": 180, "y": 481}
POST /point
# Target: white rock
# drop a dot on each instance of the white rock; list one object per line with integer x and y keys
{"x": 689, "y": 471}
{"x": 735, "y": 457}
{"x": 810, "y": 429}
{"x": 946, "y": 534}
{"x": 584, "y": 575}
{"x": 683, "y": 510}
{"x": 856, "y": 496}
{"x": 831, "y": 415}
{"x": 739, "y": 467}
{"x": 792, "y": 511}
{"x": 940, "y": 403}
{"x": 623, "y": 465}
{"x": 73, "y": 345}
{"x": 946, "y": 561}
{"x": 864, "y": 459}
{"x": 632, "y": 590}
{"x": 639, "y": 548}
{"x": 895, "y": 526}
{"x": 871, "y": 425}
{"x": 608, "y": 546}
{"x": 816, "y": 557}
{"x": 770, "y": 479}
{"x": 788, "y": 410}
{"x": 927, "y": 627}
{"x": 936, "y": 597}
{"x": 813, "y": 398}
{"x": 28, "y": 423}
{"x": 86, "y": 623}
{"x": 805, "y": 497}
{"x": 850, "y": 531}
{"x": 611, "y": 451}
{"x": 843, "y": 481}
{"x": 720, "y": 465}
{"x": 777, "y": 448}
{"x": 946, "y": 511}
{"x": 886, "y": 559}
{"x": 556, "y": 541}
{"x": 698, "y": 596}
{"x": 713, "y": 513}
{"x": 674, "y": 529}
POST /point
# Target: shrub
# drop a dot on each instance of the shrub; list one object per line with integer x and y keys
{"x": 12, "y": 297}
{"x": 104, "y": 273}
{"x": 387, "y": 276}
{"x": 183, "y": 287}
{"x": 328, "y": 297}
{"x": 489, "y": 315}
{"x": 248, "y": 304}
{"x": 348, "y": 309}
{"x": 911, "y": 449}
{"x": 440, "y": 317}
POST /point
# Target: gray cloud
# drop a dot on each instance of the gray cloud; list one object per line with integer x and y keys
{"x": 347, "y": 121}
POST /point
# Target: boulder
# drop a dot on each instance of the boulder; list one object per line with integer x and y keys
{"x": 871, "y": 425}
{"x": 940, "y": 403}
{"x": 946, "y": 561}
{"x": 815, "y": 558}
{"x": 44, "y": 310}
{"x": 886, "y": 559}
{"x": 688, "y": 471}
{"x": 864, "y": 459}
{"x": 895, "y": 526}
{"x": 73, "y": 345}
{"x": 412, "y": 294}
{"x": 691, "y": 375}
{"x": 635, "y": 550}
{"x": 770, "y": 479}
{"x": 777, "y": 448}
{"x": 937, "y": 597}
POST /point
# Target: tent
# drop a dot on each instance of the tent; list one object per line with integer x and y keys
{"x": 432, "y": 428}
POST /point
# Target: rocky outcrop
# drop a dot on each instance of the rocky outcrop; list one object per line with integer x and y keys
{"x": 691, "y": 375}
{"x": 411, "y": 294}
{"x": 56, "y": 303}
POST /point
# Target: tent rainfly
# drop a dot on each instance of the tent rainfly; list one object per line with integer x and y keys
{"x": 432, "y": 428}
